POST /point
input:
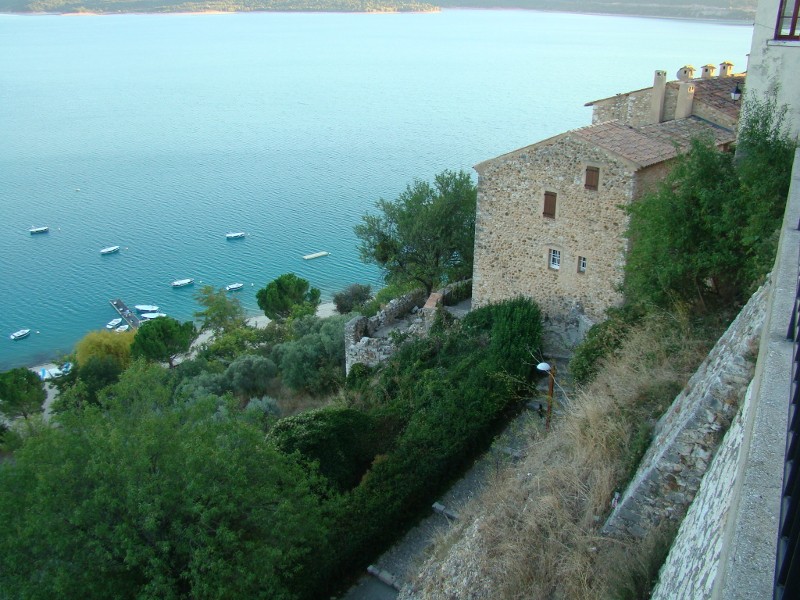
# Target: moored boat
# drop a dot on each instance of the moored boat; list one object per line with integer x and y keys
{"x": 109, "y": 250}
{"x": 182, "y": 282}
{"x": 315, "y": 255}
{"x": 18, "y": 335}
{"x": 152, "y": 315}
{"x": 113, "y": 323}
{"x": 35, "y": 230}
{"x": 122, "y": 328}
{"x": 146, "y": 308}
{"x": 234, "y": 235}
{"x": 234, "y": 287}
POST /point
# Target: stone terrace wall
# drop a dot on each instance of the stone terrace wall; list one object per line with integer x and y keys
{"x": 632, "y": 108}
{"x": 688, "y": 435}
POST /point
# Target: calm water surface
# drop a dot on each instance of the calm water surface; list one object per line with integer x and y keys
{"x": 160, "y": 133}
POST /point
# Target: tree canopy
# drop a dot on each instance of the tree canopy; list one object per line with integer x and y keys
{"x": 288, "y": 296}
{"x": 221, "y": 312}
{"x": 21, "y": 393}
{"x": 426, "y": 235}
{"x": 162, "y": 339}
{"x": 104, "y": 343}
{"x": 149, "y": 498}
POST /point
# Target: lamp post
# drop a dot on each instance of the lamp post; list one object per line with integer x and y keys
{"x": 736, "y": 93}
{"x": 551, "y": 370}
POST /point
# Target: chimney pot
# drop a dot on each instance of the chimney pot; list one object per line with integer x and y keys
{"x": 686, "y": 73}
{"x": 707, "y": 71}
{"x": 726, "y": 69}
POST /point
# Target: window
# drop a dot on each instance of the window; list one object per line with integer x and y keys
{"x": 592, "y": 178}
{"x": 549, "y": 205}
{"x": 788, "y": 27}
{"x": 555, "y": 259}
{"x": 581, "y": 264}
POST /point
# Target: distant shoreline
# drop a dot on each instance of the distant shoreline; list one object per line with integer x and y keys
{"x": 717, "y": 20}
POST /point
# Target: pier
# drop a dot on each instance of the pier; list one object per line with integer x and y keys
{"x": 126, "y": 313}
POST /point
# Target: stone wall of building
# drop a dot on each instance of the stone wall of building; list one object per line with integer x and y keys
{"x": 513, "y": 238}
{"x": 687, "y": 436}
{"x": 632, "y": 108}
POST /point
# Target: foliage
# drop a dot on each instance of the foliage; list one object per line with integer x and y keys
{"x": 249, "y": 375}
{"x": 353, "y": 297}
{"x": 386, "y": 295}
{"x": 163, "y": 339}
{"x": 601, "y": 341}
{"x": 708, "y": 232}
{"x": 288, "y": 296}
{"x": 21, "y": 393}
{"x": 222, "y": 312}
{"x": 97, "y": 373}
{"x": 153, "y": 499}
{"x": 231, "y": 344}
{"x": 104, "y": 343}
{"x": 342, "y": 441}
{"x": 426, "y": 235}
{"x": 314, "y": 360}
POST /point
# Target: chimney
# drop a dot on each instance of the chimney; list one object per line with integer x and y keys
{"x": 707, "y": 71}
{"x": 726, "y": 69}
{"x": 683, "y": 107}
{"x": 685, "y": 73}
{"x": 657, "y": 97}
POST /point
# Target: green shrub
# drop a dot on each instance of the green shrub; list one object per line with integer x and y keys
{"x": 352, "y": 298}
{"x": 601, "y": 341}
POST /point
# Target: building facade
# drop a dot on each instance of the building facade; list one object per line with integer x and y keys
{"x": 551, "y": 217}
{"x": 774, "y": 63}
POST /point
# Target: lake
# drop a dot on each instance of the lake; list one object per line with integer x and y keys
{"x": 160, "y": 133}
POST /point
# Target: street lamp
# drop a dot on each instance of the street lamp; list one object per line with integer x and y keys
{"x": 545, "y": 367}
{"x": 736, "y": 93}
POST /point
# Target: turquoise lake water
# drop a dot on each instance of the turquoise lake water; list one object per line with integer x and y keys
{"x": 160, "y": 133}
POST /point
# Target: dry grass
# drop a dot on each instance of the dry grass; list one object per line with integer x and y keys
{"x": 535, "y": 532}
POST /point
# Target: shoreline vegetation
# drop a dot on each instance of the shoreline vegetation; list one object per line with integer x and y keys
{"x": 716, "y": 10}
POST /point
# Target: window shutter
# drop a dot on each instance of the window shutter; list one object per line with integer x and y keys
{"x": 592, "y": 178}
{"x": 549, "y": 205}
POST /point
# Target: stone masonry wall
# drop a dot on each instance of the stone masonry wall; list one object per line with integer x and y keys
{"x": 687, "y": 436}
{"x": 632, "y": 108}
{"x": 513, "y": 238}
{"x": 359, "y": 344}
{"x": 688, "y": 574}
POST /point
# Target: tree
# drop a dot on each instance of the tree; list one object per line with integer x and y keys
{"x": 21, "y": 393}
{"x": 352, "y": 298}
{"x": 288, "y": 296}
{"x": 163, "y": 339}
{"x": 222, "y": 312}
{"x": 249, "y": 375}
{"x": 427, "y": 235}
{"x": 104, "y": 343}
{"x": 150, "y": 498}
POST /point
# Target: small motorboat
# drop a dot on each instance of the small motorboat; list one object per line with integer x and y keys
{"x": 146, "y": 308}
{"x": 122, "y": 328}
{"x": 113, "y": 323}
{"x": 315, "y": 255}
{"x": 22, "y": 333}
{"x": 152, "y": 315}
{"x": 109, "y": 250}
{"x": 35, "y": 230}
{"x": 234, "y": 235}
{"x": 182, "y": 282}
{"x": 234, "y": 287}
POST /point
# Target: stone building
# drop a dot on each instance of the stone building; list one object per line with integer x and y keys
{"x": 774, "y": 60}
{"x": 550, "y": 220}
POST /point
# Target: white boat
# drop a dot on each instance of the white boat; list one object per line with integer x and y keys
{"x": 182, "y": 282}
{"x": 315, "y": 255}
{"x": 146, "y": 308}
{"x": 35, "y": 230}
{"x": 18, "y": 335}
{"x": 152, "y": 315}
{"x": 122, "y": 328}
{"x": 234, "y": 287}
{"x": 234, "y": 235}
{"x": 113, "y": 323}
{"x": 109, "y": 250}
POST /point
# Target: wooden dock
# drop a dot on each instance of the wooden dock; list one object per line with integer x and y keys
{"x": 126, "y": 313}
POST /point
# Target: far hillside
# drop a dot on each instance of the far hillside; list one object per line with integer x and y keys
{"x": 740, "y": 10}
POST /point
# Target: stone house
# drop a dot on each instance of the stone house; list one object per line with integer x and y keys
{"x": 550, "y": 220}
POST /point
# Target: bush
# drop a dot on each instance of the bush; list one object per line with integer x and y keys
{"x": 352, "y": 298}
{"x": 600, "y": 342}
